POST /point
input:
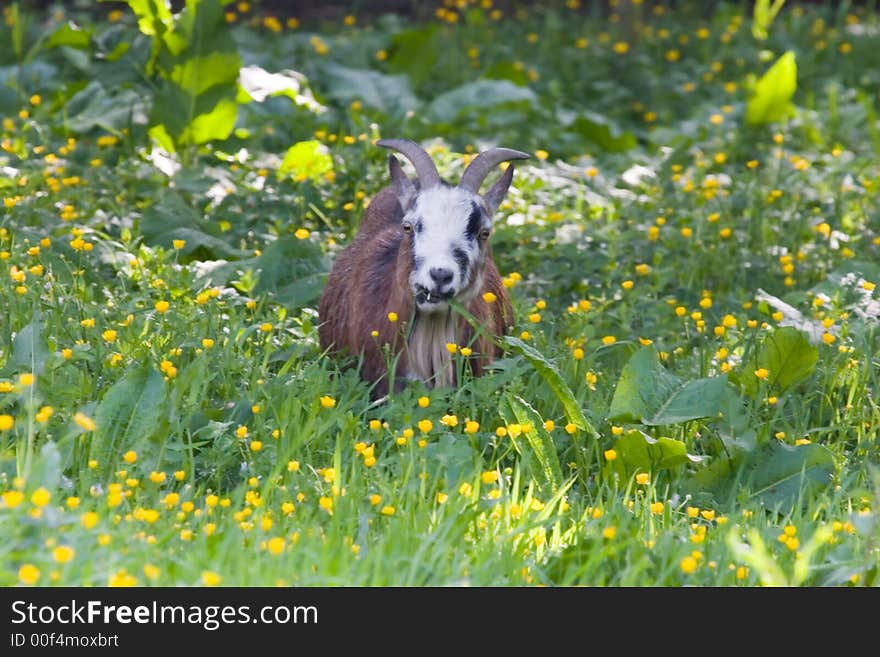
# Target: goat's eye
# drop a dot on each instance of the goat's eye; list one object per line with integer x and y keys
{"x": 484, "y": 234}
{"x": 407, "y": 227}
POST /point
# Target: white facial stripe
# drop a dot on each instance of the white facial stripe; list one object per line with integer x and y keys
{"x": 441, "y": 242}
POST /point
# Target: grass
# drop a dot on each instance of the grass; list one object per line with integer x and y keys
{"x": 166, "y": 414}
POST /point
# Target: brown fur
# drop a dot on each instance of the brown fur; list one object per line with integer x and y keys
{"x": 370, "y": 279}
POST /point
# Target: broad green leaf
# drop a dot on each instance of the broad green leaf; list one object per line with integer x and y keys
{"x": 154, "y": 20}
{"x": 777, "y": 475}
{"x": 198, "y": 74}
{"x": 9, "y": 99}
{"x": 198, "y": 63}
{"x": 71, "y": 35}
{"x": 217, "y": 123}
{"x": 483, "y": 96}
{"x": 552, "y": 378}
{"x": 29, "y": 350}
{"x": 171, "y": 219}
{"x": 154, "y": 16}
{"x": 129, "y": 413}
{"x": 787, "y": 471}
{"x": 449, "y": 458}
{"x": 292, "y": 270}
{"x": 306, "y": 160}
{"x": 735, "y": 425}
{"x": 639, "y": 452}
{"x": 598, "y": 129}
{"x": 770, "y": 100}
{"x": 786, "y": 354}
{"x": 508, "y": 71}
{"x": 415, "y": 52}
{"x": 47, "y": 466}
{"x": 542, "y": 449}
{"x": 646, "y": 392}
{"x": 389, "y": 94}
{"x": 93, "y": 107}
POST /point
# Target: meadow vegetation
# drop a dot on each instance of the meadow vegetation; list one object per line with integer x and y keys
{"x": 689, "y": 396}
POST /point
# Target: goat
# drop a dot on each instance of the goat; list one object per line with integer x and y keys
{"x": 420, "y": 245}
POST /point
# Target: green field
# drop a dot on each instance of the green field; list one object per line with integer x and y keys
{"x": 689, "y": 395}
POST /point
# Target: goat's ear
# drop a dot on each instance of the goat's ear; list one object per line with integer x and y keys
{"x": 405, "y": 187}
{"x": 498, "y": 191}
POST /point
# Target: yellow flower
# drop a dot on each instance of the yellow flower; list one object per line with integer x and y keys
{"x": 130, "y": 456}
{"x": 471, "y": 426}
{"x": 643, "y": 478}
{"x": 327, "y": 402}
{"x": 6, "y": 422}
{"x": 388, "y": 510}
{"x": 275, "y": 545}
{"x": 424, "y": 402}
{"x": 210, "y": 578}
{"x": 425, "y": 425}
{"x": 449, "y": 420}
{"x": 489, "y": 477}
{"x": 41, "y": 497}
{"x": 609, "y": 339}
{"x": 657, "y": 508}
{"x": 610, "y": 454}
{"x": 451, "y": 347}
{"x": 84, "y": 422}
{"x": 12, "y": 498}
{"x": 26, "y": 380}
{"x": 162, "y": 307}
{"x": 28, "y": 574}
{"x": 63, "y": 553}
{"x": 489, "y": 297}
{"x": 392, "y": 317}
{"x": 441, "y": 498}
{"x": 609, "y": 533}
{"x": 762, "y": 373}
{"x": 89, "y": 519}
{"x": 688, "y": 565}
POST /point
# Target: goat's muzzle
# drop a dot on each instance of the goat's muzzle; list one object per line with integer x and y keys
{"x": 432, "y": 300}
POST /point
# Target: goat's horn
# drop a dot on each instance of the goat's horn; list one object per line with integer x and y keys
{"x": 483, "y": 163}
{"x": 426, "y": 170}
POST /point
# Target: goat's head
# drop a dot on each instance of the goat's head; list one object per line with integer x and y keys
{"x": 448, "y": 227}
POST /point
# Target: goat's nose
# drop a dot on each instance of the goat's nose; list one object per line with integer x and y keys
{"x": 442, "y": 277}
